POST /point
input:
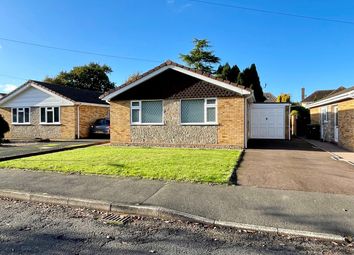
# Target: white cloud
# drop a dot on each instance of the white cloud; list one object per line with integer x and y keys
{"x": 177, "y": 7}
{"x": 7, "y": 88}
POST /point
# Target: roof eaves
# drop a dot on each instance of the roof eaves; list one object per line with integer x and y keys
{"x": 348, "y": 94}
{"x": 171, "y": 63}
{"x": 14, "y": 92}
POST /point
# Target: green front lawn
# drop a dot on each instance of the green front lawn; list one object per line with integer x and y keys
{"x": 199, "y": 165}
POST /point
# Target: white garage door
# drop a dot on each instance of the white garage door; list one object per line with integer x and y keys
{"x": 267, "y": 121}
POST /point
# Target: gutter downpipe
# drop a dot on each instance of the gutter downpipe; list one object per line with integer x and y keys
{"x": 289, "y": 125}
{"x": 246, "y": 120}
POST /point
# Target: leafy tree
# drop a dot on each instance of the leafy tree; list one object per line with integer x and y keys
{"x": 283, "y": 98}
{"x": 133, "y": 77}
{"x": 227, "y": 72}
{"x": 4, "y": 127}
{"x": 250, "y": 79}
{"x": 234, "y": 72}
{"x": 200, "y": 57}
{"x": 241, "y": 79}
{"x": 92, "y": 76}
{"x": 223, "y": 71}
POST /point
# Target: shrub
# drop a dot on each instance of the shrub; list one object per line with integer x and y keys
{"x": 4, "y": 127}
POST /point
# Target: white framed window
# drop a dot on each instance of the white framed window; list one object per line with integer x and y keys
{"x": 50, "y": 115}
{"x": 198, "y": 111}
{"x": 146, "y": 112}
{"x": 21, "y": 115}
{"x": 324, "y": 114}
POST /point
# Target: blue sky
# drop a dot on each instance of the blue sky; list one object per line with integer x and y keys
{"x": 289, "y": 52}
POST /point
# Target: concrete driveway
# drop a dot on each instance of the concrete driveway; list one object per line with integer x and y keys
{"x": 25, "y": 149}
{"x": 294, "y": 165}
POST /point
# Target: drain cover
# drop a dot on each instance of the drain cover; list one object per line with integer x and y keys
{"x": 116, "y": 219}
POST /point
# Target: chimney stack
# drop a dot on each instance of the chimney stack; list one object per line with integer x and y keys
{"x": 302, "y": 94}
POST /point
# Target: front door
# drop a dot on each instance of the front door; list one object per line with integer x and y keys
{"x": 336, "y": 132}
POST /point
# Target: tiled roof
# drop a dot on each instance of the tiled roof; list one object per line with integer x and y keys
{"x": 73, "y": 94}
{"x": 317, "y": 95}
{"x": 339, "y": 91}
{"x": 169, "y": 63}
{"x": 270, "y": 98}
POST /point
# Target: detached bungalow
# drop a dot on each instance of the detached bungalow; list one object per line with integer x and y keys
{"x": 335, "y": 114}
{"x": 51, "y": 111}
{"x": 173, "y": 105}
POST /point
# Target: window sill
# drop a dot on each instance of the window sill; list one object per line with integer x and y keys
{"x": 199, "y": 124}
{"x": 50, "y": 124}
{"x": 147, "y": 124}
{"x": 21, "y": 124}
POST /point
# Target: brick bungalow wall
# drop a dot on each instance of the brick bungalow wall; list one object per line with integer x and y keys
{"x": 231, "y": 129}
{"x": 229, "y": 132}
{"x": 88, "y": 115}
{"x": 315, "y": 115}
{"x": 67, "y": 130}
{"x": 120, "y": 122}
{"x": 68, "y": 122}
{"x": 345, "y": 123}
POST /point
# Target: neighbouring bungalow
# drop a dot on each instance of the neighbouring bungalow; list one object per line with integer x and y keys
{"x": 335, "y": 114}
{"x": 173, "y": 105}
{"x": 317, "y": 95}
{"x": 270, "y": 98}
{"x": 39, "y": 110}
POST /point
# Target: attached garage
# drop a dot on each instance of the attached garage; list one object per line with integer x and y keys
{"x": 269, "y": 121}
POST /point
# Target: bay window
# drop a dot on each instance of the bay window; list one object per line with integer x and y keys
{"x": 146, "y": 112}
{"x": 198, "y": 111}
{"x": 21, "y": 115}
{"x": 50, "y": 115}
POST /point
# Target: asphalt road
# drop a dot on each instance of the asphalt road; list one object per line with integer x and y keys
{"x": 32, "y": 228}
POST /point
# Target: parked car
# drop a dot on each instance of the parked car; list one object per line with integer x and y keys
{"x": 100, "y": 127}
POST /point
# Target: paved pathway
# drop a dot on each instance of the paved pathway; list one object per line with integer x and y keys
{"x": 294, "y": 165}
{"x": 340, "y": 153}
{"x": 306, "y": 211}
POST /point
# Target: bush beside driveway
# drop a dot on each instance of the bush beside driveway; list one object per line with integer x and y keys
{"x": 199, "y": 165}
